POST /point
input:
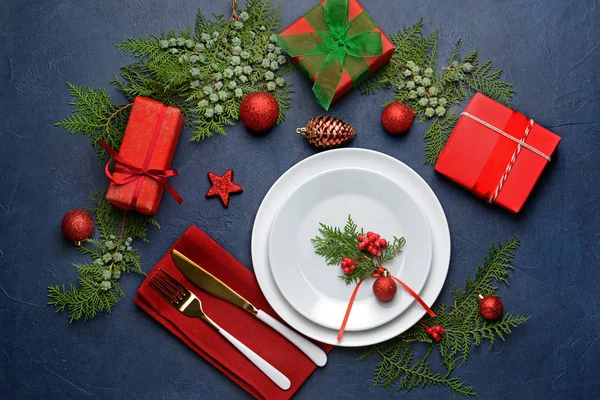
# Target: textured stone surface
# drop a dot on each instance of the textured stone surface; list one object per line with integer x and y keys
{"x": 550, "y": 50}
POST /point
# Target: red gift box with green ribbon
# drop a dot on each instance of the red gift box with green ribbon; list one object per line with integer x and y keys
{"x": 336, "y": 44}
{"x": 496, "y": 153}
{"x": 140, "y": 174}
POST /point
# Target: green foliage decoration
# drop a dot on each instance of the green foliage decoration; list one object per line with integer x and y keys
{"x": 431, "y": 93}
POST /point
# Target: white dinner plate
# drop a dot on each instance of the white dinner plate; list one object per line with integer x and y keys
{"x": 349, "y": 158}
{"x": 376, "y": 203}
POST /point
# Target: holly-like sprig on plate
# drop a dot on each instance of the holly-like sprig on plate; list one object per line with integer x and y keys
{"x": 359, "y": 254}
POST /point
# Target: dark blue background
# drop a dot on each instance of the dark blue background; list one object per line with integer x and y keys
{"x": 549, "y": 49}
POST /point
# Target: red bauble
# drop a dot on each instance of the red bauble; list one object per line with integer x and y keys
{"x": 397, "y": 118}
{"x": 223, "y": 186}
{"x": 77, "y": 225}
{"x": 259, "y": 111}
{"x": 385, "y": 287}
{"x": 490, "y": 307}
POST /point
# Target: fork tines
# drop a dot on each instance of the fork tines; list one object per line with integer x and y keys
{"x": 166, "y": 286}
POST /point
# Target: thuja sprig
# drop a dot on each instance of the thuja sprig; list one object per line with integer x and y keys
{"x": 112, "y": 254}
{"x": 464, "y": 328}
{"x": 432, "y": 92}
{"x": 337, "y": 244}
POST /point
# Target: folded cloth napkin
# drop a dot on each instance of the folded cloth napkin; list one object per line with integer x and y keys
{"x": 207, "y": 342}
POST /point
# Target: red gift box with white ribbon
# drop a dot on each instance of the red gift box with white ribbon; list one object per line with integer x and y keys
{"x": 496, "y": 153}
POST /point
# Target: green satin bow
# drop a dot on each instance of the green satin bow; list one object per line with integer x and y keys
{"x": 337, "y": 43}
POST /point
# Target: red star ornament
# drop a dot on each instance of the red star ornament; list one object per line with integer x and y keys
{"x": 223, "y": 186}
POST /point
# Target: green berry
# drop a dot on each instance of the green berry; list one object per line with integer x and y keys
{"x": 209, "y": 112}
{"x": 232, "y": 85}
{"x": 194, "y": 84}
{"x": 218, "y": 109}
{"x": 263, "y": 28}
{"x": 410, "y": 64}
{"x": 202, "y": 58}
{"x": 237, "y": 71}
{"x": 180, "y": 41}
{"x": 401, "y": 84}
{"x": 467, "y": 67}
{"x": 272, "y": 56}
{"x": 164, "y": 44}
{"x": 238, "y": 92}
{"x": 214, "y": 97}
{"x": 238, "y": 24}
{"x": 223, "y": 95}
{"x": 183, "y": 58}
{"x": 235, "y": 60}
{"x": 428, "y": 72}
{"x": 426, "y": 82}
{"x": 207, "y": 90}
{"x": 243, "y": 78}
{"x": 415, "y": 69}
{"x": 195, "y": 71}
{"x": 236, "y": 50}
{"x": 459, "y": 77}
{"x": 205, "y": 37}
{"x": 252, "y": 34}
{"x": 440, "y": 111}
{"x": 203, "y": 103}
{"x": 273, "y": 38}
{"x": 215, "y": 34}
{"x": 98, "y": 261}
{"x": 412, "y": 94}
{"x": 218, "y": 85}
{"x": 118, "y": 257}
{"x": 199, "y": 47}
{"x": 433, "y": 91}
{"x": 105, "y": 285}
{"x": 172, "y": 42}
{"x": 271, "y": 86}
{"x": 410, "y": 85}
{"x": 174, "y": 51}
{"x": 281, "y": 60}
{"x": 116, "y": 274}
{"x": 236, "y": 41}
{"x": 228, "y": 73}
{"x": 245, "y": 55}
{"x": 423, "y": 101}
{"x": 421, "y": 91}
{"x": 218, "y": 76}
{"x": 433, "y": 101}
{"x": 418, "y": 79}
{"x": 454, "y": 64}
{"x": 274, "y": 65}
{"x": 443, "y": 101}
{"x": 244, "y": 16}
{"x": 280, "y": 81}
{"x": 189, "y": 44}
{"x": 407, "y": 72}
{"x": 247, "y": 69}
{"x": 266, "y": 63}
{"x": 194, "y": 59}
{"x": 109, "y": 244}
{"x": 429, "y": 112}
{"x": 106, "y": 274}
{"x": 269, "y": 75}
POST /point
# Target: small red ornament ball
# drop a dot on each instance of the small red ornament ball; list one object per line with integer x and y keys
{"x": 490, "y": 307}
{"x": 385, "y": 288}
{"x": 397, "y": 118}
{"x": 259, "y": 111}
{"x": 77, "y": 225}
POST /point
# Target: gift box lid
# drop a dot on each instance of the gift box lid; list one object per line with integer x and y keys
{"x": 491, "y": 165}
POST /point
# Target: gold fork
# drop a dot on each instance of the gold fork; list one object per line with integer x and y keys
{"x": 185, "y": 301}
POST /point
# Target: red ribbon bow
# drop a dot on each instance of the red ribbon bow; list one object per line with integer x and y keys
{"x": 134, "y": 173}
{"x": 377, "y": 275}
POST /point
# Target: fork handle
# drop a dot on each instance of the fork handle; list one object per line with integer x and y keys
{"x": 311, "y": 350}
{"x": 280, "y": 379}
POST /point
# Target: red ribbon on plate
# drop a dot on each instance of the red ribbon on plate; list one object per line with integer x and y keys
{"x": 376, "y": 275}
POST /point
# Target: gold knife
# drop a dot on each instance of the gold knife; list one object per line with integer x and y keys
{"x": 211, "y": 284}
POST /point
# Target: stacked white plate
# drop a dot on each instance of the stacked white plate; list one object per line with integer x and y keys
{"x": 382, "y": 195}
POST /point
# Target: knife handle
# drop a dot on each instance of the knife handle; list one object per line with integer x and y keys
{"x": 273, "y": 373}
{"x": 313, "y": 352}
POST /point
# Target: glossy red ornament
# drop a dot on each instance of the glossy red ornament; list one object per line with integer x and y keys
{"x": 77, "y": 225}
{"x": 259, "y": 111}
{"x": 397, "y": 118}
{"x": 385, "y": 287}
{"x": 223, "y": 186}
{"x": 490, "y": 307}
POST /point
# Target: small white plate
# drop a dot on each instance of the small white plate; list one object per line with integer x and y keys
{"x": 376, "y": 203}
{"x": 350, "y": 158}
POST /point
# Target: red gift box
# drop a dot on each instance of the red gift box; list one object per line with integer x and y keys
{"x": 345, "y": 85}
{"x": 496, "y": 153}
{"x": 147, "y": 149}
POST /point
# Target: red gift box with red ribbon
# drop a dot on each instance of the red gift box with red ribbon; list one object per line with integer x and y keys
{"x": 141, "y": 167}
{"x": 496, "y": 153}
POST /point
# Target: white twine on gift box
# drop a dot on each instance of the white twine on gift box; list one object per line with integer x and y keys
{"x": 520, "y": 143}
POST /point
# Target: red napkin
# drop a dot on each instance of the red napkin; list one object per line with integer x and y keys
{"x": 207, "y": 342}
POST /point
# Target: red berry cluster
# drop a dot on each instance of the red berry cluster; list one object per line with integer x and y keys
{"x": 348, "y": 265}
{"x": 373, "y": 243}
{"x": 436, "y": 332}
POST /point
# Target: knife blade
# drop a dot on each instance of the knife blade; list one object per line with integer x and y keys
{"x": 213, "y": 285}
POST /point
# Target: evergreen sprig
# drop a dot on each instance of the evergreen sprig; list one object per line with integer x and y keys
{"x": 205, "y": 73}
{"x": 99, "y": 288}
{"x": 433, "y": 94}
{"x": 464, "y": 328}
{"x": 334, "y": 244}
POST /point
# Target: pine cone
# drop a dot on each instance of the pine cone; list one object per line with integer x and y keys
{"x": 326, "y": 132}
